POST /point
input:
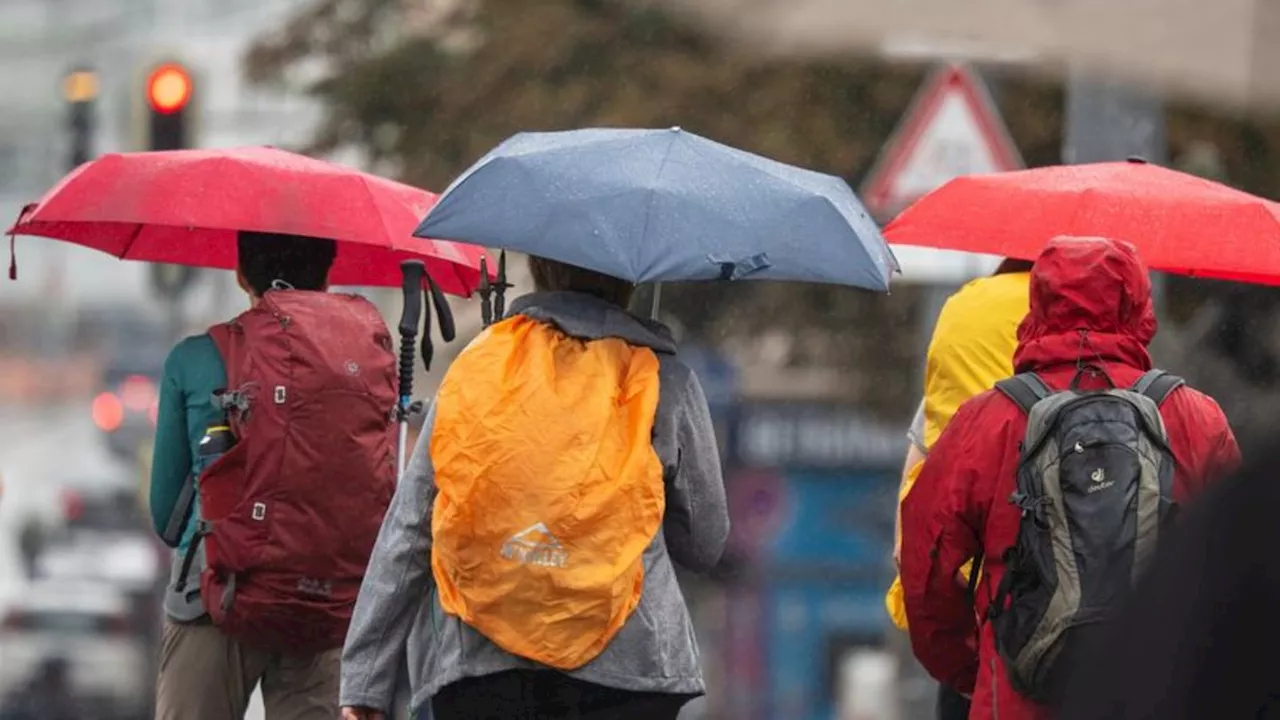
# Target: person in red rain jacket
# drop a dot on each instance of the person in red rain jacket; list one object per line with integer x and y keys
{"x": 1091, "y": 301}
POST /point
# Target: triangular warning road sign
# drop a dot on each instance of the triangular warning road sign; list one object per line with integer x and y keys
{"x": 952, "y": 128}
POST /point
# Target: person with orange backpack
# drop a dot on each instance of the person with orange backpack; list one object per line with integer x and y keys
{"x": 566, "y": 465}
{"x": 274, "y": 462}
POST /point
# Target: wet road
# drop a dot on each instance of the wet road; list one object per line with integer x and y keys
{"x": 41, "y": 452}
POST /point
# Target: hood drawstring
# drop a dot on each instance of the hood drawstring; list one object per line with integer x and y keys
{"x": 1094, "y": 366}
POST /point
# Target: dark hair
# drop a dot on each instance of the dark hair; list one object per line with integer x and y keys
{"x": 302, "y": 262}
{"x": 1013, "y": 265}
{"x": 551, "y": 275}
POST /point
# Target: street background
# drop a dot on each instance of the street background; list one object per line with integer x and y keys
{"x": 811, "y": 387}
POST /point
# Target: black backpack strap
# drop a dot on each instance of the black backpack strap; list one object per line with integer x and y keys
{"x": 181, "y": 513}
{"x": 1157, "y": 384}
{"x": 1024, "y": 389}
{"x": 184, "y": 573}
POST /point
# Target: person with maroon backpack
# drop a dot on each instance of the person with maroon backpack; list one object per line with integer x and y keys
{"x": 274, "y": 463}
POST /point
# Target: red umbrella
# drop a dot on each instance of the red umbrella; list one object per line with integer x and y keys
{"x": 1179, "y": 222}
{"x": 185, "y": 206}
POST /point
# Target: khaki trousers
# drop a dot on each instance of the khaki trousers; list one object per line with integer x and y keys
{"x": 205, "y": 675}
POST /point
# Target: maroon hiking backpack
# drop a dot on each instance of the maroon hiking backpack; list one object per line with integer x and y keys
{"x": 289, "y": 514}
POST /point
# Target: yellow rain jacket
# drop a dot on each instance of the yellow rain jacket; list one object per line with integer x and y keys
{"x": 972, "y": 348}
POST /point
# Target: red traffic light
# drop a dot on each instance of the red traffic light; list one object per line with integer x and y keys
{"x": 168, "y": 88}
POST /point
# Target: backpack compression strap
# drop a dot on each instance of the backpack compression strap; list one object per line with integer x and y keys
{"x": 1157, "y": 384}
{"x": 1024, "y": 389}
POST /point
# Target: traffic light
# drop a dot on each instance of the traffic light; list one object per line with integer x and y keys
{"x": 80, "y": 91}
{"x": 169, "y": 91}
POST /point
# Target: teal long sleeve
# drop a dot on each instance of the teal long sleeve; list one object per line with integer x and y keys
{"x": 192, "y": 373}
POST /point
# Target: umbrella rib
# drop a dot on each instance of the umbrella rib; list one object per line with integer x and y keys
{"x": 432, "y": 260}
{"x": 653, "y": 194}
{"x": 373, "y": 201}
{"x": 133, "y": 238}
{"x": 766, "y": 172}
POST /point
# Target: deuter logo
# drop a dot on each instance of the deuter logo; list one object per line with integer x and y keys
{"x": 1100, "y": 481}
{"x": 535, "y": 545}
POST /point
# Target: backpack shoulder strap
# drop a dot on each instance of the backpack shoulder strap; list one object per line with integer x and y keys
{"x": 180, "y": 516}
{"x": 1024, "y": 389}
{"x": 221, "y": 336}
{"x": 1157, "y": 384}
{"x": 226, "y": 337}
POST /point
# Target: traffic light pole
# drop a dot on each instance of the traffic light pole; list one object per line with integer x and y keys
{"x": 80, "y": 91}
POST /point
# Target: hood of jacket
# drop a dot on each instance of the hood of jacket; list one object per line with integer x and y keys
{"x": 1090, "y": 302}
{"x": 587, "y": 317}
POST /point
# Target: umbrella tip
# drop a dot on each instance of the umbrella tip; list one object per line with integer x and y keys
{"x": 676, "y": 129}
{"x": 1137, "y": 160}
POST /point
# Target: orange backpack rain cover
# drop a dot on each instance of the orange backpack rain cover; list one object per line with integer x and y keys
{"x": 549, "y": 488}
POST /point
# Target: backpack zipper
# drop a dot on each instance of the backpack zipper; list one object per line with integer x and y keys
{"x": 1090, "y": 444}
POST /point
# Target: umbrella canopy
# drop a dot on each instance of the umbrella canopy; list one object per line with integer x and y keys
{"x": 662, "y": 205}
{"x": 185, "y": 206}
{"x": 1180, "y": 223}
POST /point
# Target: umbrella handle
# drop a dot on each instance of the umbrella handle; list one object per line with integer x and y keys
{"x": 412, "y": 272}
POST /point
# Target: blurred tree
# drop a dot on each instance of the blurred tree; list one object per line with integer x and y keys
{"x": 424, "y": 87}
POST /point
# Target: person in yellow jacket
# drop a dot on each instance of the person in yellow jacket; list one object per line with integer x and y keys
{"x": 971, "y": 349}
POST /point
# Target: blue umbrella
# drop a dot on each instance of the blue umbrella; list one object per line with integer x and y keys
{"x": 662, "y": 205}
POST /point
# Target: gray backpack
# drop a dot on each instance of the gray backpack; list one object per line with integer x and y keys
{"x": 1094, "y": 485}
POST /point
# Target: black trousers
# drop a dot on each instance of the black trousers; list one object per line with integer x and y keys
{"x": 548, "y": 695}
{"x": 952, "y": 705}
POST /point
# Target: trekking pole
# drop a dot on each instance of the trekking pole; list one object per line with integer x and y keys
{"x": 485, "y": 290}
{"x": 412, "y": 272}
{"x": 500, "y": 288}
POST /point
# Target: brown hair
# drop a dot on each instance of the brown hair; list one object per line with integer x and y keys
{"x": 552, "y": 276}
{"x": 302, "y": 262}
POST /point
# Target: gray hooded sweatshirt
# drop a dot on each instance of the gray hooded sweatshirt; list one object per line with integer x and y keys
{"x": 655, "y": 650}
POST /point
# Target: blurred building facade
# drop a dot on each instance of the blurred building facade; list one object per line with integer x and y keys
{"x": 42, "y": 40}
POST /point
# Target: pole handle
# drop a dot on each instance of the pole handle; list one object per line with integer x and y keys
{"x": 485, "y": 290}
{"x": 500, "y": 290}
{"x": 412, "y": 272}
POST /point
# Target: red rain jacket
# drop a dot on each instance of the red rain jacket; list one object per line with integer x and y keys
{"x": 1090, "y": 299}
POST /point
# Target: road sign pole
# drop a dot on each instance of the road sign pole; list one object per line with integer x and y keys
{"x": 1106, "y": 121}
